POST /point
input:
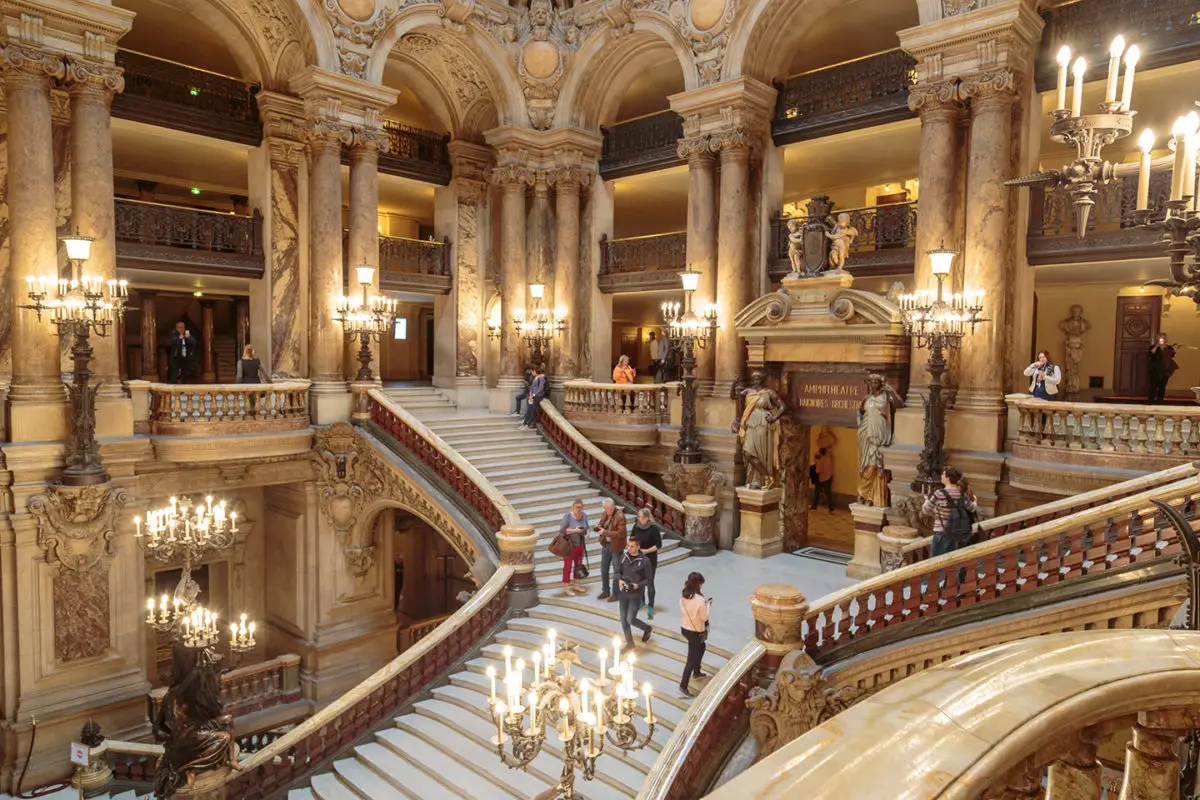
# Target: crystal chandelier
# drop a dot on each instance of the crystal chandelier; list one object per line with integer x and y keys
{"x": 585, "y": 714}
{"x": 686, "y": 331}
{"x": 367, "y": 317}
{"x": 187, "y": 529}
{"x": 538, "y": 329}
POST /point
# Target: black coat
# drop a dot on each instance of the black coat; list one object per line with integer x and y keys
{"x": 637, "y": 572}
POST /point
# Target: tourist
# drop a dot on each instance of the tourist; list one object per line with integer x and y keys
{"x": 1045, "y": 377}
{"x": 650, "y": 541}
{"x": 1162, "y": 366}
{"x": 538, "y": 389}
{"x": 822, "y": 473}
{"x": 622, "y": 372}
{"x": 522, "y": 394}
{"x": 613, "y": 533}
{"x": 181, "y": 352}
{"x": 634, "y": 574}
{"x": 250, "y": 369}
{"x": 574, "y": 526}
{"x": 954, "y": 510}
{"x": 693, "y": 624}
{"x": 656, "y": 357}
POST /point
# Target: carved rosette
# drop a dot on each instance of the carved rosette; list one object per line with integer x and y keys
{"x": 75, "y": 526}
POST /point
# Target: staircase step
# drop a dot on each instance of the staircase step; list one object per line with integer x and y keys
{"x": 407, "y": 773}
{"x": 366, "y": 784}
{"x": 586, "y": 611}
{"x": 326, "y": 786}
{"x": 548, "y": 578}
{"x": 504, "y": 459}
{"x": 301, "y": 794}
{"x": 447, "y": 760}
{"x": 517, "y": 476}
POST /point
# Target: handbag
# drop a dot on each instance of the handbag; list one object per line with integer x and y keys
{"x": 581, "y": 570}
{"x": 561, "y": 546}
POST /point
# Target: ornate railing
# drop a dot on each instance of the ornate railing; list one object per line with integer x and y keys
{"x": 414, "y": 256}
{"x": 641, "y": 145}
{"x": 444, "y": 461}
{"x": 627, "y": 264}
{"x": 1168, "y": 26}
{"x": 409, "y": 635}
{"x": 415, "y": 153}
{"x": 171, "y": 95}
{"x": 311, "y": 744}
{"x": 214, "y": 409}
{"x": 601, "y": 468}
{"x": 867, "y": 91}
{"x": 1087, "y": 543}
{"x": 617, "y": 404}
{"x": 686, "y": 763}
{"x": 164, "y": 225}
{"x": 251, "y": 688}
{"x": 1127, "y": 436}
{"x": 886, "y": 237}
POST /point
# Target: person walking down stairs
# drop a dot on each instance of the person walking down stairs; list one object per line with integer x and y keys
{"x": 634, "y": 575}
{"x": 693, "y": 624}
{"x": 574, "y": 527}
{"x": 650, "y": 540}
{"x": 613, "y": 533}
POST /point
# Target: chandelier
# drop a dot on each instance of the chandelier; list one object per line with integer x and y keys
{"x": 187, "y": 529}
{"x": 586, "y": 715}
{"x": 934, "y": 315}
{"x": 366, "y": 316}
{"x": 686, "y": 331}
{"x": 540, "y": 327}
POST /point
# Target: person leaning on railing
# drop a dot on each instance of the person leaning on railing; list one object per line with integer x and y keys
{"x": 954, "y": 510}
{"x": 1045, "y": 377}
{"x": 250, "y": 369}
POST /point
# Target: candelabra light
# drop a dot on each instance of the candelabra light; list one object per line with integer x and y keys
{"x": 687, "y": 331}
{"x": 938, "y": 321}
{"x": 187, "y": 529}
{"x": 540, "y": 327}
{"x": 366, "y": 317}
{"x": 78, "y": 307}
{"x": 586, "y": 714}
{"x": 241, "y": 636}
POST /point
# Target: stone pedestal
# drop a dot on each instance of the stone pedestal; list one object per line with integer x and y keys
{"x": 868, "y": 522}
{"x": 778, "y": 616}
{"x": 892, "y": 541}
{"x": 760, "y": 535}
{"x": 700, "y": 524}
{"x": 360, "y": 401}
{"x": 518, "y": 544}
{"x": 814, "y": 296}
{"x": 329, "y": 403}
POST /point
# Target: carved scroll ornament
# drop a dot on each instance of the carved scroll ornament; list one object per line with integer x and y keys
{"x": 798, "y": 700}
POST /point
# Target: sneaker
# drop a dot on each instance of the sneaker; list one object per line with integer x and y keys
{"x": 650, "y": 613}
{"x": 646, "y": 634}
{"x": 603, "y": 596}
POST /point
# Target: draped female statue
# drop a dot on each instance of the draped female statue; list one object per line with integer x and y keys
{"x": 758, "y": 432}
{"x": 875, "y": 414}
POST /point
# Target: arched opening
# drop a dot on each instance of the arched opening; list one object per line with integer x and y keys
{"x": 430, "y": 580}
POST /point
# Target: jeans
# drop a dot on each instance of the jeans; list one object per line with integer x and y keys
{"x": 531, "y": 411}
{"x": 823, "y": 488}
{"x": 630, "y": 602}
{"x": 654, "y": 575}
{"x": 569, "y": 563}
{"x": 943, "y": 544}
{"x": 177, "y": 370}
{"x": 519, "y": 398}
{"x": 696, "y": 647}
{"x": 606, "y": 560}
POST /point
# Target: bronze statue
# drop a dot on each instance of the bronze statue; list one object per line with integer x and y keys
{"x": 875, "y": 414}
{"x": 196, "y": 733}
{"x": 758, "y": 432}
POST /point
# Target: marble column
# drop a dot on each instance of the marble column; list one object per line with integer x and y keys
{"x": 147, "y": 301}
{"x": 6, "y": 304}
{"x": 364, "y": 217}
{"x": 208, "y": 335}
{"x": 540, "y": 266}
{"x": 939, "y": 170}
{"x": 92, "y": 196}
{"x": 988, "y": 256}
{"x": 512, "y": 179}
{"x": 702, "y": 235}
{"x": 241, "y": 309}
{"x": 325, "y": 264}
{"x": 287, "y": 323}
{"x": 733, "y": 251}
{"x": 567, "y": 284}
{"x": 36, "y": 375}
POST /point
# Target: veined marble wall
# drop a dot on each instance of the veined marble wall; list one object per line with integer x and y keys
{"x": 62, "y": 221}
{"x": 286, "y": 316}
{"x": 468, "y": 295}
{"x": 5, "y": 252}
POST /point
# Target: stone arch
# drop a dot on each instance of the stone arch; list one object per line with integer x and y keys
{"x": 605, "y": 66}
{"x": 472, "y": 65}
{"x": 433, "y": 95}
{"x": 458, "y": 537}
{"x": 765, "y": 34}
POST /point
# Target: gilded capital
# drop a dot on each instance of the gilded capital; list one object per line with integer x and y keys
{"x": 22, "y": 61}
{"x": 85, "y": 75}
{"x": 993, "y": 86}
{"x": 694, "y": 148}
{"x": 512, "y": 174}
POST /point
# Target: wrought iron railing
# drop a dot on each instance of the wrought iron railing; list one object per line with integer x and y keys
{"x": 174, "y": 95}
{"x": 641, "y": 145}
{"x": 415, "y": 153}
{"x": 163, "y": 225}
{"x": 663, "y": 251}
{"x": 414, "y": 256}
{"x": 867, "y": 91}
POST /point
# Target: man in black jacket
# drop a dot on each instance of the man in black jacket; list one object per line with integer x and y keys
{"x": 634, "y": 574}
{"x": 182, "y": 352}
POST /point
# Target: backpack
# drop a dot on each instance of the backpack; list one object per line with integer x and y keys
{"x": 960, "y": 523}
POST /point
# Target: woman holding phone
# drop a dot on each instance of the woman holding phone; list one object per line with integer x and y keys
{"x": 693, "y": 614}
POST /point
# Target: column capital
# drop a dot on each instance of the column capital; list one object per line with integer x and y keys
{"x": 934, "y": 98}
{"x": 570, "y": 176}
{"x": 695, "y": 149}
{"x": 21, "y": 61}
{"x": 999, "y": 35}
{"x": 512, "y": 174}
{"x": 993, "y": 87}
{"x": 96, "y": 78}
{"x": 367, "y": 141}
{"x": 468, "y": 160}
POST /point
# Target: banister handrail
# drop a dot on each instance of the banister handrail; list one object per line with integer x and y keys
{"x": 948, "y": 564}
{"x": 496, "y": 584}
{"x": 552, "y": 414}
{"x": 506, "y": 510}
{"x": 687, "y": 733}
{"x": 185, "y": 388}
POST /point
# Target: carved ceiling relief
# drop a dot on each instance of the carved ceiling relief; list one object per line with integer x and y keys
{"x": 706, "y": 24}
{"x": 356, "y": 25}
{"x": 75, "y": 527}
{"x": 446, "y": 58}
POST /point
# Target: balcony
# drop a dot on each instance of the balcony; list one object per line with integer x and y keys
{"x": 626, "y": 415}
{"x": 167, "y": 238}
{"x": 641, "y": 145}
{"x": 886, "y": 237}
{"x": 410, "y": 265}
{"x": 413, "y": 153}
{"x": 849, "y": 96}
{"x": 642, "y": 263}
{"x": 171, "y": 95}
{"x": 1111, "y": 233}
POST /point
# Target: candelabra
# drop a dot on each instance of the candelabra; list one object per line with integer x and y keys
{"x": 938, "y": 321}
{"x": 586, "y": 714}
{"x": 540, "y": 327}
{"x": 78, "y": 307}
{"x": 686, "y": 331}
{"x": 366, "y": 317}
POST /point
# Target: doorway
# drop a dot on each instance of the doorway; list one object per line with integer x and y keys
{"x": 1137, "y": 325}
{"x": 429, "y": 577}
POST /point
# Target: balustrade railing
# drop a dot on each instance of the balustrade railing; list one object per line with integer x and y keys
{"x": 641, "y": 145}
{"x": 173, "y": 95}
{"x": 618, "y": 404}
{"x": 1119, "y": 533}
{"x": 414, "y": 256}
{"x": 213, "y": 409}
{"x": 445, "y": 462}
{"x": 251, "y": 688}
{"x": 662, "y": 251}
{"x": 867, "y": 91}
{"x": 604, "y": 470}
{"x": 1120, "y": 431}
{"x": 415, "y": 153}
{"x": 886, "y": 237}
{"x": 409, "y": 635}
{"x": 311, "y": 744}
{"x": 163, "y": 225}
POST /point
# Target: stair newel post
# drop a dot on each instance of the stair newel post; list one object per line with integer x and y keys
{"x": 517, "y": 544}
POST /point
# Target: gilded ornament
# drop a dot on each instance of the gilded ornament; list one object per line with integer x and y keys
{"x": 798, "y": 700}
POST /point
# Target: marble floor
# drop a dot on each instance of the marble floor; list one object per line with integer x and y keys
{"x": 831, "y": 531}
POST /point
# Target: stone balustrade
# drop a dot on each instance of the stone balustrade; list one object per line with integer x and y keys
{"x": 1026, "y": 736}
{"x": 409, "y": 635}
{"x": 212, "y": 409}
{"x": 1119, "y": 436}
{"x": 251, "y": 688}
{"x": 625, "y": 414}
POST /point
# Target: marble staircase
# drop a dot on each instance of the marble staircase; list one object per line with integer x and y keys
{"x": 420, "y": 399}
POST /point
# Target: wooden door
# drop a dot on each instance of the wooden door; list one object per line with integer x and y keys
{"x": 1137, "y": 325}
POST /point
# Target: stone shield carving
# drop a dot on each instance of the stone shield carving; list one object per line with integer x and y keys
{"x": 796, "y": 702}
{"x": 75, "y": 526}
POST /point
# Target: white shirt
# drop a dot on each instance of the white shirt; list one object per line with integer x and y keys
{"x": 1051, "y": 377}
{"x": 655, "y": 347}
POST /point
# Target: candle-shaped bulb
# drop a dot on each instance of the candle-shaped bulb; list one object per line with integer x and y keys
{"x": 1117, "y": 47}
{"x": 1079, "y": 70}
{"x": 1132, "y": 56}
{"x": 1146, "y": 141}
{"x": 1064, "y": 56}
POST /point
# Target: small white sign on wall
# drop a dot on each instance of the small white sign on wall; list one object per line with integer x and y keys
{"x": 80, "y": 754}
